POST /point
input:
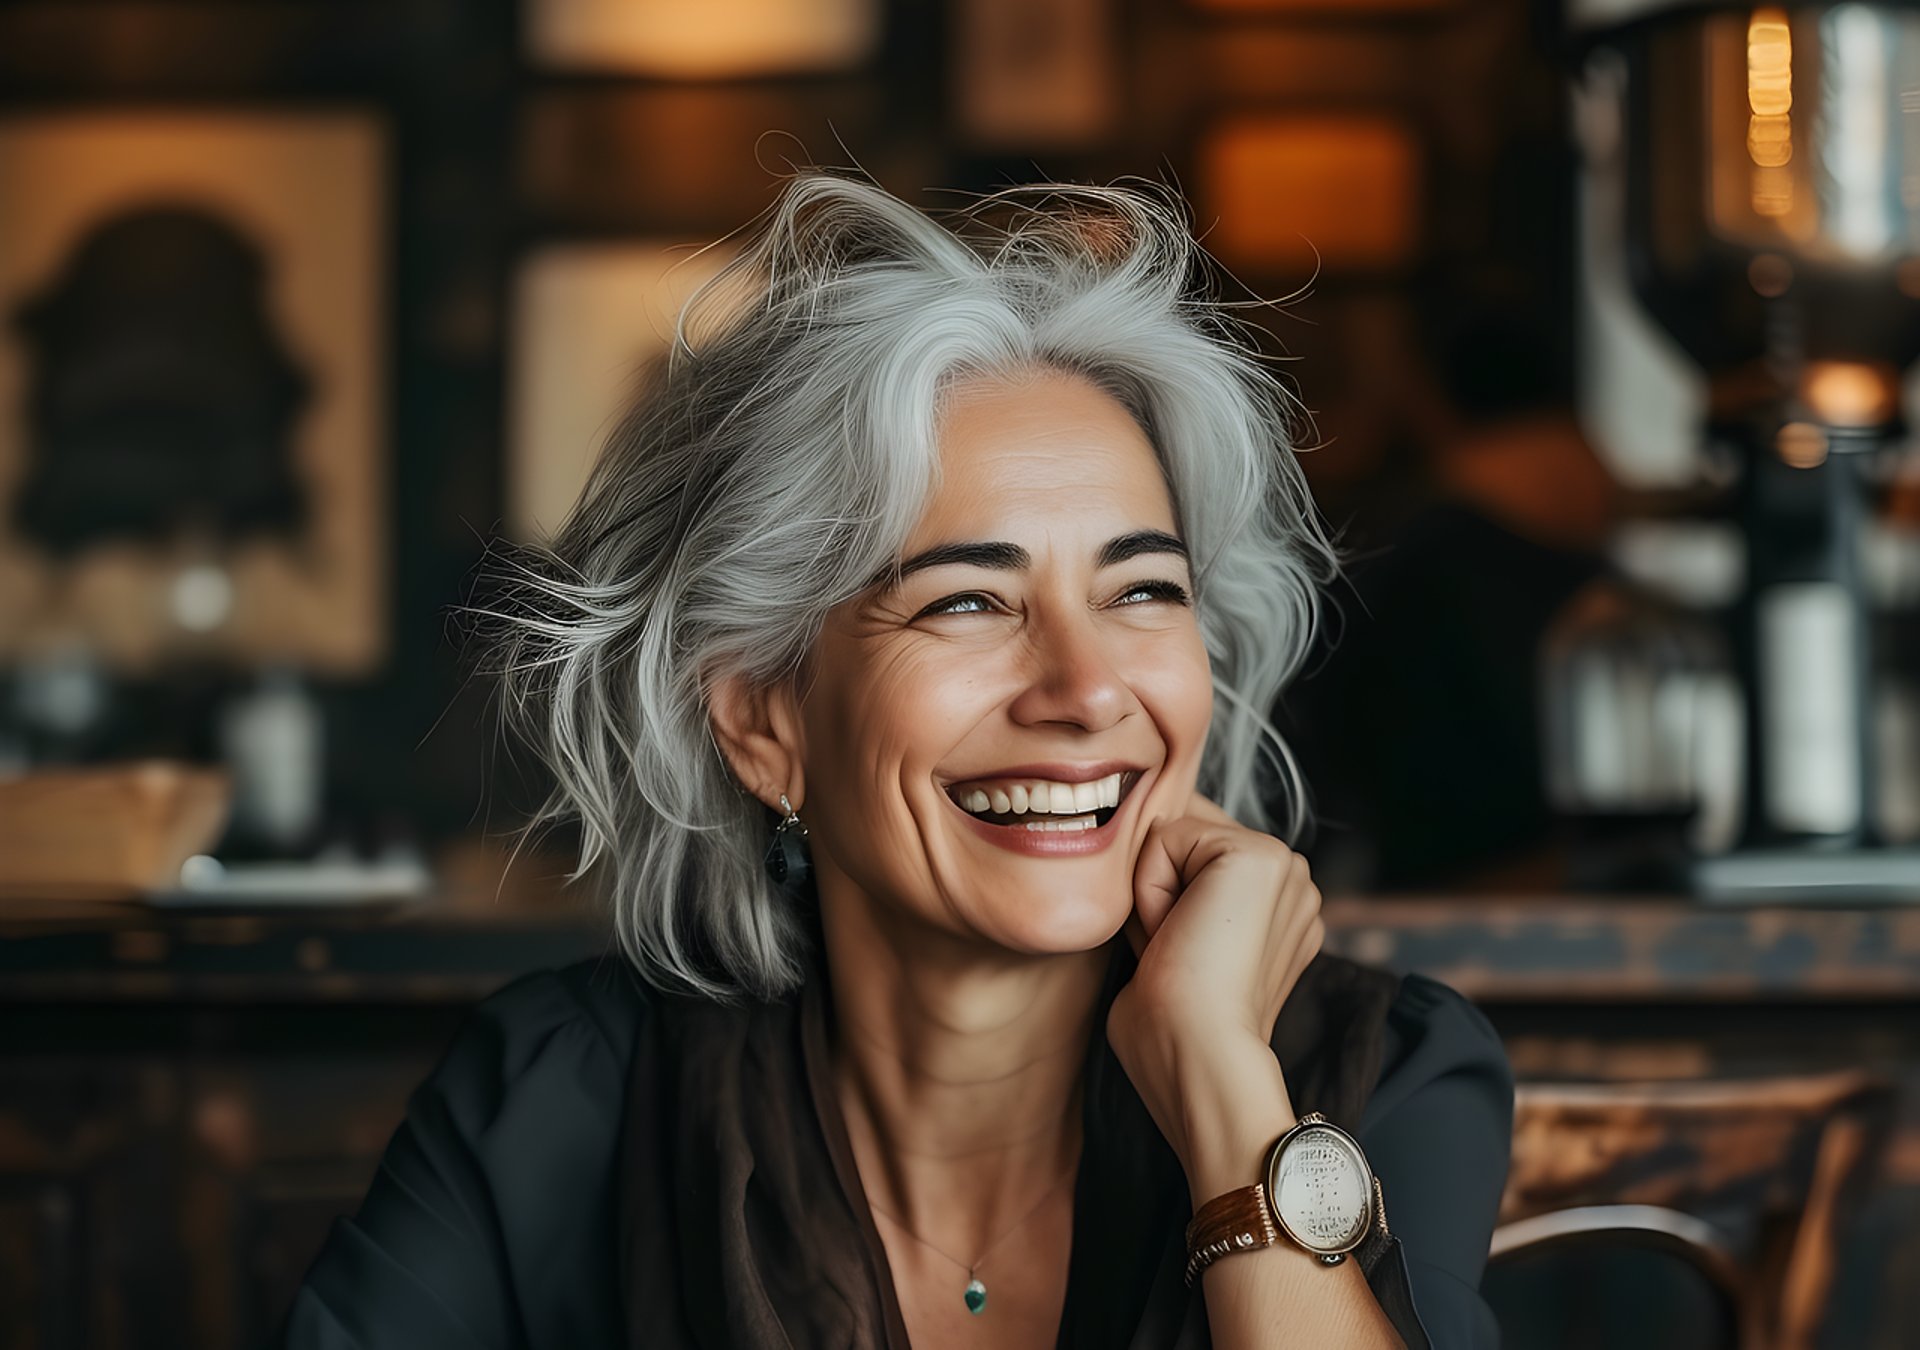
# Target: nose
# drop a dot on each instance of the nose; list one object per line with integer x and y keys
{"x": 1073, "y": 678}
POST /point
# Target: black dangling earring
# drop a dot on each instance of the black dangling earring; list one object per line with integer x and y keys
{"x": 787, "y": 861}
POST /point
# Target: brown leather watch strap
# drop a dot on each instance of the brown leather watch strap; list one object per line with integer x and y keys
{"x": 1237, "y": 1221}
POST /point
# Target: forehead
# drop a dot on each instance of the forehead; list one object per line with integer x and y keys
{"x": 1042, "y": 451}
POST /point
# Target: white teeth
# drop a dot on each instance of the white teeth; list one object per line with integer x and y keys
{"x": 1043, "y": 799}
{"x": 1072, "y": 826}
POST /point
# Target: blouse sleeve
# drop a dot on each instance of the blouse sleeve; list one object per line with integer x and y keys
{"x": 1437, "y": 1132}
{"x": 472, "y": 1235}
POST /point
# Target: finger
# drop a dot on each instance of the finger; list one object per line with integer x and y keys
{"x": 1156, "y": 881}
{"x": 1175, "y": 851}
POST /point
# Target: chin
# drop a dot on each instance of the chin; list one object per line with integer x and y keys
{"x": 1061, "y": 925}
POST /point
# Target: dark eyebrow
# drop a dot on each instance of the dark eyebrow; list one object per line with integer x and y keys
{"x": 1141, "y": 542}
{"x": 999, "y": 556}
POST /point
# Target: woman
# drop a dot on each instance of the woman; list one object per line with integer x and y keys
{"x": 891, "y": 664}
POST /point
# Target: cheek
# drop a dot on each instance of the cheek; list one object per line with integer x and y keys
{"x": 876, "y": 726}
{"x": 875, "y": 734}
{"x": 1177, "y": 689}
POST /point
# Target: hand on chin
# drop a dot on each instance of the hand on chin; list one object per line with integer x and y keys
{"x": 1224, "y": 921}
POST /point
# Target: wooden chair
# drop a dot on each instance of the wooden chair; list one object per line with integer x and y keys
{"x": 1744, "y": 1181}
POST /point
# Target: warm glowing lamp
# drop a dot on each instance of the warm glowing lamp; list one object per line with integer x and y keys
{"x": 702, "y": 39}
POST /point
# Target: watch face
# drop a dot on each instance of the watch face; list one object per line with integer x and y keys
{"x": 1321, "y": 1191}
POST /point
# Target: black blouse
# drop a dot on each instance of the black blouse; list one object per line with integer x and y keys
{"x": 596, "y": 1164}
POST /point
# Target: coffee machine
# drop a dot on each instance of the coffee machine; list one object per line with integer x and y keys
{"x": 1756, "y": 175}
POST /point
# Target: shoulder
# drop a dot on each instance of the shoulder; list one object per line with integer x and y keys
{"x": 569, "y": 1031}
{"x": 1434, "y": 1032}
{"x": 488, "y": 1222}
{"x": 594, "y": 1007}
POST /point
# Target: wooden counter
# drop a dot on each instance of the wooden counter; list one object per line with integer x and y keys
{"x": 1508, "y": 949}
{"x": 1525, "y": 949}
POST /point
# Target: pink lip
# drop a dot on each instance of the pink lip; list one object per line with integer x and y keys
{"x": 1052, "y": 843}
{"x": 1054, "y": 772}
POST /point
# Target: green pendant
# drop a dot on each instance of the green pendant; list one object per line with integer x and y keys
{"x": 976, "y": 1297}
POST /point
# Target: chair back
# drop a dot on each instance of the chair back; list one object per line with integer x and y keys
{"x": 1742, "y": 1183}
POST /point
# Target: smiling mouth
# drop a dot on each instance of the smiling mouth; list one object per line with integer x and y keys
{"x": 1044, "y": 806}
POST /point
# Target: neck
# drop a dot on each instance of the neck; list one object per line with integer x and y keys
{"x": 958, "y": 1069}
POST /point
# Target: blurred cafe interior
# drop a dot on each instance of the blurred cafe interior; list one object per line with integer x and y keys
{"x": 1607, "y": 314}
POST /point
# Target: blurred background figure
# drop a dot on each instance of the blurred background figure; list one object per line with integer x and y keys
{"x": 1602, "y": 316}
{"x": 1420, "y": 719}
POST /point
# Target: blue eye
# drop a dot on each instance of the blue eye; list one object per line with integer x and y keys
{"x": 951, "y": 605}
{"x": 1158, "y": 590}
{"x": 976, "y": 602}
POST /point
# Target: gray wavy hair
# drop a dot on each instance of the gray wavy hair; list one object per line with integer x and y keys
{"x": 778, "y": 460}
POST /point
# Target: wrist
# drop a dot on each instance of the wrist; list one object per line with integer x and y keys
{"x": 1317, "y": 1189}
{"x": 1234, "y": 1104}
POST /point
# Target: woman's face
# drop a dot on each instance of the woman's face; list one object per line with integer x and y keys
{"x": 968, "y": 731}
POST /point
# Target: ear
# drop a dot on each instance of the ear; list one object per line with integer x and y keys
{"x": 758, "y": 730}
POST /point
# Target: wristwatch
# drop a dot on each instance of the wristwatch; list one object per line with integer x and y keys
{"x": 1317, "y": 1191}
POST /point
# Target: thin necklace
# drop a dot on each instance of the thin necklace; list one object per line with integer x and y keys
{"x": 976, "y": 1292}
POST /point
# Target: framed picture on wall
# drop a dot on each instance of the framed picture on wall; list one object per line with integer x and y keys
{"x": 587, "y": 319}
{"x": 193, "y": 388}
